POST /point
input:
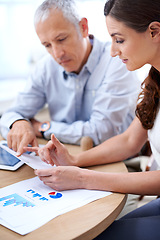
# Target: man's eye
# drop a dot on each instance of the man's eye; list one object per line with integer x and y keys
{"x": 47, "y": 45}
{"x": 62, "y": 39}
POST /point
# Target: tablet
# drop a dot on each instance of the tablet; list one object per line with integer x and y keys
{"x": 7, "y": 160}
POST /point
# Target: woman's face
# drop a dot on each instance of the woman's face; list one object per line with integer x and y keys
{"x": 133, "y": 48}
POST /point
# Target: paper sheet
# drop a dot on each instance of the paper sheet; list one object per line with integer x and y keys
{"x": 27, "y": 205}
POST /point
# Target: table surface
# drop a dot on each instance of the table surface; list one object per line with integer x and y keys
{"x": 82, "y": 223}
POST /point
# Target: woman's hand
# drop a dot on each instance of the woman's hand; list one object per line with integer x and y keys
{"x": 53, "y": 152}
{"x": 62, "y": 177}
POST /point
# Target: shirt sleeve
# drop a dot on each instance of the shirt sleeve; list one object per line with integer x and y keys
{"x": 27, "y": 103}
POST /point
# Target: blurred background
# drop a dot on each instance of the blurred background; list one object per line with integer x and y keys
{"x": 20, "y": 47}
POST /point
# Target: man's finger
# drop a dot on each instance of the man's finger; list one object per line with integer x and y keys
{"x": 9, "y": 141}
{"x": 23, "y": 143}
{"x": 35, "y": 143}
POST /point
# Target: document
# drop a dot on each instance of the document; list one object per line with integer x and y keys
{"x": 27, "y": 205}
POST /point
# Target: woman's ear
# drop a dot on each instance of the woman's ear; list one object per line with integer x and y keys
{"x": 154, "y": 29}
{"x": 84, "y": 27}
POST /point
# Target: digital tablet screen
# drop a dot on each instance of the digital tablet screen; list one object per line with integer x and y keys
{"x": 7, "y": 159}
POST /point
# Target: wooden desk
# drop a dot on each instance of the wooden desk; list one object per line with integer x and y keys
{"x": 82, "y": 223}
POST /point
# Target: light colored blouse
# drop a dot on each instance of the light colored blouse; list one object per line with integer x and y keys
{"x": 154, "y": 138}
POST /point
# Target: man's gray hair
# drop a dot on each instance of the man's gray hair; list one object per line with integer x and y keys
{"x": 67, "y": 7}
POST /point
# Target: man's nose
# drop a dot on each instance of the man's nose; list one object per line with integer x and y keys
{"x": 57, "y": 52}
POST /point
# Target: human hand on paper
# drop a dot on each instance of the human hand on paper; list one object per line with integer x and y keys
{"x": 20, "y": 135}
{"x": 53, "y": 152}
{"x": 63, "y": 177}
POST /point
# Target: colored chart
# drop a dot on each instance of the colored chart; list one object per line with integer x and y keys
{"x": 16, "y": 200}
{"x": 55, "y": 195}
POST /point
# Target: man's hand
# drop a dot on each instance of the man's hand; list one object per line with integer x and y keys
{"x": 20, "y": 135}
{"x": 53, "y": 152}
{"x": 36, "y": 125}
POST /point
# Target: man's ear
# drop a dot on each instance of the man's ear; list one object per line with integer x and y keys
{"x": 154, "y": 29}
{"x": 84, "y": 27}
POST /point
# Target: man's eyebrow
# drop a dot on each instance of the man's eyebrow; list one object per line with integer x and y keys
{"x": 116, "y": 33}
{"x": 60, "y": 35}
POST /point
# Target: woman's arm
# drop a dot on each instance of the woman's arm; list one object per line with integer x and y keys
{"x": 143, "y": 183}
{"x": 115, "y": 149}
{"x": 71, "y": 177}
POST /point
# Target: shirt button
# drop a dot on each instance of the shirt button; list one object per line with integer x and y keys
{"x": 93, "y": 93}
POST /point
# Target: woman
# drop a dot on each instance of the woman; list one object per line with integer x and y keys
{"x": 134, "y": 27}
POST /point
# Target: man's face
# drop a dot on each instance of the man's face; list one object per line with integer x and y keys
{"x": 62, "y": 40}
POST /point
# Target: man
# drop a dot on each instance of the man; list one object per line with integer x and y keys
{"x": 88, "y": 93}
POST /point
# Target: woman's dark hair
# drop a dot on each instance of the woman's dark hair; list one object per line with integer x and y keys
{"x": 138, "y": 14}
{"x": 149, "y": 99}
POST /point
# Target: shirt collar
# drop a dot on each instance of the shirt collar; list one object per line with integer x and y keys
{"x": 94, "y": 55}
{"x": 67, "y": 74}
{"x": 92, "y": 59}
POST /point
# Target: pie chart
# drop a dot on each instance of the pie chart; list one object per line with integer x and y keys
{"x": 55, "y": 195}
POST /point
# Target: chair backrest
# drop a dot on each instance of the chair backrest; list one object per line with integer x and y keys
{"x": 86, "y": 143}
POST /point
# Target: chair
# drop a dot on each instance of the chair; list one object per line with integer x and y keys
{"x": 86, "y": 143}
